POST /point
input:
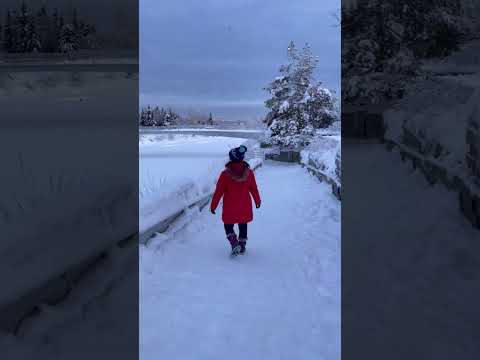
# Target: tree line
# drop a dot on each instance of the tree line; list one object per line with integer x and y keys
{"x": 25, "y": 31}
{"x": 160, "y": 116}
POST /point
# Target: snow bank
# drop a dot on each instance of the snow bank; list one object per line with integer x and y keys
{"x": 65, "y": 85}
{"x": 324, "y": 154}
{"x": 214, "y": 129}
{"x": 49, "y": 200}
{"x": 433, "y": 121}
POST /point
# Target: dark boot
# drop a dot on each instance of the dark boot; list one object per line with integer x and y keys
{"x": 243, "y": 244}
{"x": 232, "y": 239}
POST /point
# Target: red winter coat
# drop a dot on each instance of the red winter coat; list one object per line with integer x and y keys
{"x": 235, "y": 184}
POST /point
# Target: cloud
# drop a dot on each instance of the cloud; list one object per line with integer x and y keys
{"x": 221, "y": 51}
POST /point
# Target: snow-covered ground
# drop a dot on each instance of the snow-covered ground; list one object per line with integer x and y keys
{"x": 68, "y": 85}
{"x": 406, "y": 240}
{"x": 50, "y": 201}
{"x": 175, "y": 170}
{"x": 432, "y": 120}
{"x": 200, "y": 130}
{"x": 279, "y": 301}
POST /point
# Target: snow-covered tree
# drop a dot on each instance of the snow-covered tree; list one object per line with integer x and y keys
{"x": 171, "y": 118}
{"x": 68, "y": 40}
{"x": 8, "y": 33}
{"x": 298, "y": 106}
{"x": 146, "y": 118}
{"x": 210, "y": 120}
{"x": 43, "y": 24}
{"x": 320, "y": 107}
{"x": 27, "y": 31}
{"x": 383, "y": 41}
{"x": 158, "y": 116}
{"x": 22, "y": 29}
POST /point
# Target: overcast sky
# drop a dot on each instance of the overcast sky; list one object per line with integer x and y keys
{"x": 218, "y": 53}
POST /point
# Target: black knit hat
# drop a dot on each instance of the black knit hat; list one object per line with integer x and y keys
{"x": 238, "y": 153}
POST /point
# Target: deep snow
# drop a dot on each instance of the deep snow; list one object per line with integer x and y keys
{"x": 279, "y": 301}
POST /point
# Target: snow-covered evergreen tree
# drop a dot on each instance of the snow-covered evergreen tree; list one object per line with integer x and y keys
{"x": 8, "y": 33}
{"x": 383, "y": 41}
{"x": 158, "y": 116}
{"x": 43, "y": 28}
{"x": 281, "y": 88}
{"x": 210, "y": 120}
{"x": 171, "y": 118}
{"x": 22, "y": 29}
{"x": 298, "y": 106}
{"x": 26, "y": 31}
{"x": 68, "y": 40}
{"x": 33, "y": 40}
{"x": 23, "y": 32}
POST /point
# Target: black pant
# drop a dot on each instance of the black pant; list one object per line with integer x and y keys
{"x": 242, "y": 228}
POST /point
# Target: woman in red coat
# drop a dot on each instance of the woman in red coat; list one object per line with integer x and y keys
{"x": 236, "y": 183}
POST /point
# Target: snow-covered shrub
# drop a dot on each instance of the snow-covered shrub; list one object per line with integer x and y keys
{"x": 297, "y": 106}
{"x": 324, "y": 154}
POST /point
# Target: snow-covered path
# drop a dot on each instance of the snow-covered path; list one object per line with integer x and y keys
{"x": 279, "y": 301}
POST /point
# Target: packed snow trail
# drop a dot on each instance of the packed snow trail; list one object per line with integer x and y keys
{"x": 279, "y": 301}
